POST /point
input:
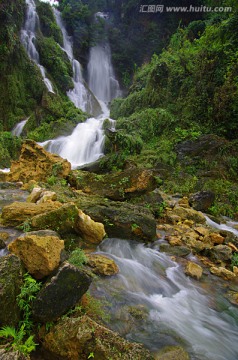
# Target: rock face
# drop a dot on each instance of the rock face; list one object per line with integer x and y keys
{"x": 76, "y": 338}
{"x": 102, "y": 265}
{"x": 12, "y": 355}
{"x": 18, "y": 212}
{"x": 39, "y": 251}
{"x": 92, "y": 232}
{"x": 189, "y": 214}
{"x": 61, "y": 293}
{"x": 10, "y": 283}
{"x": 37, "y": 164}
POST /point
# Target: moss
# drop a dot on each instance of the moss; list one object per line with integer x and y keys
{"x": 56, "y": 61}
{"x": 9, "y": 148}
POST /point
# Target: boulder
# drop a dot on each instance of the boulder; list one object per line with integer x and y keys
{"x": 76, "y": 338}
{"x": 102, "y": 265}
{"x": 202, "y": 200}
{"x": 18, "y": 212}
{"x": 35, "y": 194}
{"x": 61, "y": 219}
{"x": 118, "y": 186}
{"x": 216, "y": 238}
{"x": 47, "y": 196}
{"x": 39, "y": 251}
{"x": 189, "y": 214}
{"x": 194, "y": 270}
{"x": 121, "y": 220}
{"x": 60, "y": 293}
{"x": 11, "y": 279}
{"x": 91, "y": 231}
{"x": 35, "y": 163}
{"x": 223, "y": 272}
{"x": 220, "y": 253}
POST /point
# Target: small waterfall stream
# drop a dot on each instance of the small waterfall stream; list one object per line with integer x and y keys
{"x": 28, "y": 38}
{"x": 17, "y": 130}
{"x": 174, "y": 309}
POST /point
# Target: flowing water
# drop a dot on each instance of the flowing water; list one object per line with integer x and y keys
{"x": 17, "y": 130}
{"x": 176, "y": 310}
{"x": 28, "y": 39}
{"x": 80, "y": 95}
{"x": 101, "y": 76}
{"x": 85, "y": 144}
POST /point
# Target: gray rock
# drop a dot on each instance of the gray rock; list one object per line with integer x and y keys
{"x": 11, "y": 355}
{"x": 221, "y": 253}
{"x": 60, "y": 293}
{"x": 202, "y": 200}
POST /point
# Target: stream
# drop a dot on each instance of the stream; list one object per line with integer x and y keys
{"x": 169, "y": 308}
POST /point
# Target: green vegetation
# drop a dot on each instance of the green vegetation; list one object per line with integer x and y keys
{"x": 9, "y": 148}
{"x": 22, "y": 338}
{"x": 234, "y": 260}
{"x": 78, "y": 258}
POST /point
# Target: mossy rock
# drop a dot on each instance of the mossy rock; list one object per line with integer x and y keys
{"x": 11, "y": 279}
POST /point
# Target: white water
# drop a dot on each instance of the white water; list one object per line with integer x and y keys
{"x": 101, "y": 76}
{"x": 227, "y": 227}
{"x": 28, "y": 39}
{"x": 79, "y": 94}
{"x": 179, "y": 310}
{"x": 17, "y": 130}
{"x": 85, "y": 144}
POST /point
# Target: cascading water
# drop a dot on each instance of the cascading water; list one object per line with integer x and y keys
{"x": 85, "y": 144}
{"x": 17, "y": 130}
{"x": 101, "y": 76}
{"x": 174, "y": 309}
{"x": 79, "y": 94}
{"x": 28, "y": 39}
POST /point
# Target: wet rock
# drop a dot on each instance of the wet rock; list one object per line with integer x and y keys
{"x": 223, "y": 272}
{"x": 60, "y": 293}
{"x": 18, "y": 212}
{"x": 35, "y": 163}
{"x": 172, "y": 353}
{"x": 11, "y": 273}
{"x": 194, "y": 270}
{"x": 121, "y": 220}
{"x": 91, "y": 231}
{"x": 102, "y": 265}
{"x": 180, "y": 251}
{"x": 189, "y": 214}
{"x": 62, "y": 219}
{"x": 39, "y": 251}
{"x": 220, "y": 253}
{"x": 76, "y": 338}
{"x": 232, "y": 296}
{"x": 202, "y": 200}
{"x": 201, "y": 230}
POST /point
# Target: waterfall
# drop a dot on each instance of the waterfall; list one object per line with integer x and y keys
{"x": 17, "y": 130}
{"x": 86, "y": 142}
{"x": 28, "y": 38}
{"x": 101, "y": 76}
{"x": 79, "y": 95}
{"x": 172, "y": 308}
